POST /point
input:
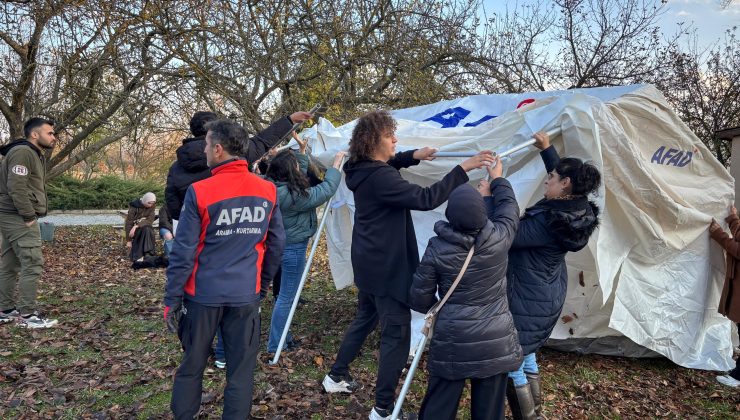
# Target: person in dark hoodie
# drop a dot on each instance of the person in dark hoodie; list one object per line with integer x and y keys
{"x": 384, "y": 252}
{"x": 537, "y": 276}
{"x": 474, "y": 335}
{"x": 22, "y": 202}
{"x": 139, "y": 220}
{"x": 191, "y": 163}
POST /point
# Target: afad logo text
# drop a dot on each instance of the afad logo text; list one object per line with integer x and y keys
{"x": 674, "y": 157}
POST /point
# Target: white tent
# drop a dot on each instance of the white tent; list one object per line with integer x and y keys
{"x": 650, "y": 272}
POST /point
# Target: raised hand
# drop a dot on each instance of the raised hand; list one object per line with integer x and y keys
{"x": 425, "y": 153}
{"x": 484, "y": 158}
{"x": 542, "y": 140}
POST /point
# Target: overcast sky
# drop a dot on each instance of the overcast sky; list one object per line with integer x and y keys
{"x": 707, "y": 16}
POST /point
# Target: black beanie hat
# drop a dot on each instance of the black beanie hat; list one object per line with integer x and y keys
{"x": 199, "y": 121}
{"x": 466, "y": 210}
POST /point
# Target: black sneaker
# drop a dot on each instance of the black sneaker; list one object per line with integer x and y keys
{"x": 344, "y": 384}
{"x": 10, "y": 315}
{"x": 36, "y": 321}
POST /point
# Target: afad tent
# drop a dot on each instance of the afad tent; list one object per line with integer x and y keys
{"x": 650, "y": 272}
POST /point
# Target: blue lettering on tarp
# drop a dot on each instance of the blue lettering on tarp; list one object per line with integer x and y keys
{"x": 482, "y": 120}
{"x": 450, "y": 117}
{"x": 677, "y": 158}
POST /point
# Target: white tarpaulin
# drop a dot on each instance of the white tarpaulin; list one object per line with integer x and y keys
{"x": 650, "y": 272}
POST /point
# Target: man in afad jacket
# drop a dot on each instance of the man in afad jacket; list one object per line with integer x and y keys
{"x": 22, "y": 202}
{"x": 228, "y": 247}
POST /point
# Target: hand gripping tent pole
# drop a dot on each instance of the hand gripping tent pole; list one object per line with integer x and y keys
{"x": 302, "y": 283}
{"x": 424, "y": 338}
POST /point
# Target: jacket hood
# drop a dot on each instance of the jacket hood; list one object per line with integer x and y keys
{"x": 137, "y": 203}
{"x": 357, "y": 172}
{"x": 572, "y": 221}
{"x": 444, "y": 230}
{"x": 20, "y": 142}
{"x": 191, "y": 155}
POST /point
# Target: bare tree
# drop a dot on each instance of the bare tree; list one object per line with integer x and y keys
{"x": 83, "y": 64}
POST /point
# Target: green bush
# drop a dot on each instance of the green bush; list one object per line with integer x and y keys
{"x": 108, "y": 192}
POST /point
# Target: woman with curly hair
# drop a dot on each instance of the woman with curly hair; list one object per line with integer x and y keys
{"x": 384, "y": 251}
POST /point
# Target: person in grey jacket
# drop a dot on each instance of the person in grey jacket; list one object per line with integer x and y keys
{"x": 474, "y": 335}
{"x": 537, "y": 275}
{"x": 298, "y": 203}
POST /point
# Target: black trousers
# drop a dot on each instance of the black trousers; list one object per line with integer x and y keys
{"x": 241, "y": 334}
{"x": 443, "y": 398}
{"x": 143, "y": 243}
{"x": 395, "y": 337}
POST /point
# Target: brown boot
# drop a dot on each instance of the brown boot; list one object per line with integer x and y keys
{"x": 520, "y": 401}
{"x": 536, "y": 388}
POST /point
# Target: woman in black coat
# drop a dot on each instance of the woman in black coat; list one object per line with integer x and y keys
{"x": 384, "y": 252}
{"x": 561, "y": 222}
{"x": 474, "y": 336}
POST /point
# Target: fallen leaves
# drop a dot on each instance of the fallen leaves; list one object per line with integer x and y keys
{"x": 110, "y": 356}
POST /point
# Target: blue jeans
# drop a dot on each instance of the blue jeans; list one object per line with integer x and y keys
{"x": 529, "y": 365}
{"x": 219, "y": 352}
{"x": 167, "y": 243}
{"x": 294, "y": 261}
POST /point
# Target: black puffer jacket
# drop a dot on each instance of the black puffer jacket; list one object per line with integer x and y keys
{"x": 538, "y": 276}
{"x": 191, "y": 165}
{"x": 474, "y": 336}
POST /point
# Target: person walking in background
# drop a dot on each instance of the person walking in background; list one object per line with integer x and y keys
{"x": 138, "y": 227}
{"x": 22, "y": 202}
{"x": 729, "y": 303}
{"x": 474, "y": 335}
{"x": 298, "y": 203}
{"x": 384, "y": 251}
{"x": 227, "y": 248}
{"x": 537, "y": 276}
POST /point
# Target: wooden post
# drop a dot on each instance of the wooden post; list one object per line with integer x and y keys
{"x": 733, "y": 135}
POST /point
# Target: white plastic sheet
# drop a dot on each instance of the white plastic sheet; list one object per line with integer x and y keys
{"x": 650, "y": 272}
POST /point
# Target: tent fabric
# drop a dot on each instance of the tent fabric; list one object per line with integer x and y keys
{"x": 650, "y": 272}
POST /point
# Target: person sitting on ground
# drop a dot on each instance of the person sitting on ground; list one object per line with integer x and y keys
{"x": 298, "y": 203}
{"x": 165, "y": 229}
{"x": 537, "y": 276}
{"x": 729, "y": 303}
{"x": 138, "y": 227}
{"x": 474, "y": 335}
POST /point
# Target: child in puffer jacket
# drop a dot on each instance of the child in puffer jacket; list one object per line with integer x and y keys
{"x": 474, "y": 336}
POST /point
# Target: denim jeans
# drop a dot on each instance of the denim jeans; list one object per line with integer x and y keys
{"x": 529, "y": 365}
{"x": 167, "y": 243}
{"x": 294, "y": 261}
{"x": 219, "y": 352}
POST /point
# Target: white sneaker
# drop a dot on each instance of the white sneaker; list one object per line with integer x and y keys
{"x": 9, "y": 316}
{"x": 36, "y": 321}
{"x": 728, "y": 380}
{"x": 344, "y": 384}
{"x": 381, "y": 414}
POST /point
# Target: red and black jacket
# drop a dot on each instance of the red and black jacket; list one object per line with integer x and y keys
{"x": 229, "y": 241}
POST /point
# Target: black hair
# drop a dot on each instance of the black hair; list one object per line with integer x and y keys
{"x": 367, "y": 133}
{"x": 35, "y": 123}
{"x": 199, "y": 121}
{"x": 585, "y": 178}
{"x": 232, "y": 136}
{"x": 283, "y": 167}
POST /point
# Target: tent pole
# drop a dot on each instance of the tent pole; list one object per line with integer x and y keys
{"x": 409, "y": 377}
{"x": 531, "y": 141}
